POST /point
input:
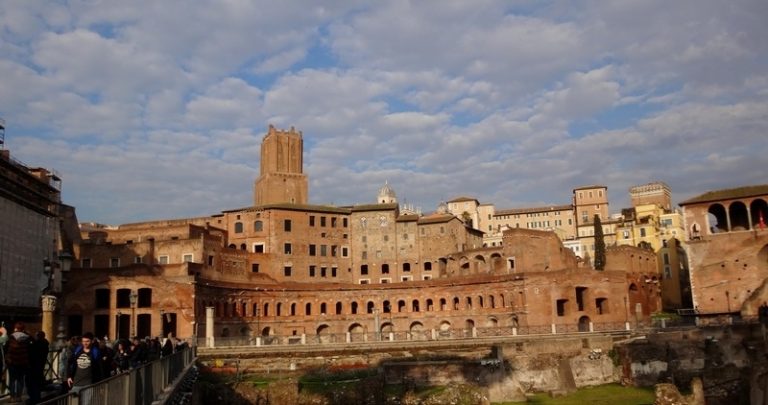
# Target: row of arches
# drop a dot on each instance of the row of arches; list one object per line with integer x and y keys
{"x": 228, "y": 309}
{"x": 478, "y": 264}
{"x": 737, "y": 216}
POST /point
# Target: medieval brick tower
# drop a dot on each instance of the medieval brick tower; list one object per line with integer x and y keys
{"x": 281, "y": 178}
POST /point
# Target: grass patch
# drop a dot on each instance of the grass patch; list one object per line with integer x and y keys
{"x": 600, "y": 395}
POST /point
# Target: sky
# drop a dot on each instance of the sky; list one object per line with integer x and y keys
{"x": 156, "y": 109}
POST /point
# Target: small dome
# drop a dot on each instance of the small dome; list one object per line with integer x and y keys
{"x": 386, "y": 194}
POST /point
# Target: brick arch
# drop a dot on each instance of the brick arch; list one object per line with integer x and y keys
{"x": 478, "y": 264}
{"x": 738, "y": 216}
{"x": 717, "y": 219}
{"x": 758, "y": 210}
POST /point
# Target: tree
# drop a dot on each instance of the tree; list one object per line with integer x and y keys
{"x": 467, "y": 218}
{"x": 599, "y": 244}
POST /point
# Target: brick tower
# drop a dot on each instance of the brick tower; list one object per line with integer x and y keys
{"x": 281, "y": 178}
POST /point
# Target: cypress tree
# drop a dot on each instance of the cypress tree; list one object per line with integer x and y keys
{"x": 599, "y": 244}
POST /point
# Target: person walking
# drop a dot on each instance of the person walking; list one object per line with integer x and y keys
{"x": 17, "y": 359}
{"x": 84, "y": 367}
{"x": 38, "y": 357}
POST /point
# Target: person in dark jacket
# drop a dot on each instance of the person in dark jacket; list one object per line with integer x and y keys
{"x": 138, "y": 352}
{"x": 17, "y": 359}
{"x": 84, "y": 366}
{"x": 38, "y": 357}
{"x": 122, "y": 357}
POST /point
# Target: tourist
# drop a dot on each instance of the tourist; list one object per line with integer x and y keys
{"x": 17, "y": 359}
{"x": 84, "y": 367}
{"x": 122, "y": 359}
{"x": 38, "y": 357}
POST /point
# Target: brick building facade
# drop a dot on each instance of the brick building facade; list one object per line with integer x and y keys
{"x": 285, "y": 267}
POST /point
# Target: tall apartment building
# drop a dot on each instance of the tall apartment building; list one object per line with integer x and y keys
{"x": 652, "y": 223}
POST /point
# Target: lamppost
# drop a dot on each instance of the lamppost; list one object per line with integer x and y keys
{"x": 117, "y": 325}
{"x": 132, "y": 298}
{"x": 53, "y": 274}
{"x": 162, "y": 322}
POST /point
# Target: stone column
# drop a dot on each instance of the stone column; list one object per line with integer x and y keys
{"x": 209, "y": 327}
{"x": 49, "y": 306}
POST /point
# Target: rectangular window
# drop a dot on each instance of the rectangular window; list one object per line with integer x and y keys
{"x": 364, "y": 270}
{"x": 385, "y": 280}
{"x": 405, "y": 278}
{"x": 666, "y": 258}
{"x": 85, "y": 263}
{"x": 114, "y": 262}
{"x": 311, "y": 220}
{"x": 137, "y": 259}
{"x": 254, "y": 267}
{"x": 334, "y": 270}
{"x": 287, "y": 271}
{"x": 287, "y": 225}
{"x": 642, "y": 232}
{"x": 102, "y": 298}
{"x": 323, "y": 272}
{"x": 311, "y": 250}
{"x": 258, "y": 248}
{"x": 344, "y": 222}
{"x": 162, "y": 259}
{"x": 311, "y": 271}
{"x": 322, "y": 221}
{"x": 334, "y": 250}
{"x": 427, "y": 277}
{"x": 667, "y": 272}
{"x": 561, "y": 307}
{"x": 333, "y": 222}
{"x": 187, "y": 257}
{"x": 344, "y": 251}
{"x": 210, "y": 260}
{"x": 287, "y": 248}
{"x": 323, "y": 250}
{"x": 364, "y": 281}
{"x": 364, "y": 255}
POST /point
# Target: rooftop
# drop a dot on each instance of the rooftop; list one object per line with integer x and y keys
{"x": 728, "y": 194}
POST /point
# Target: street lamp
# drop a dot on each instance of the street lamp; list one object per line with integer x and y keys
{"x": 162, "y": 322}
{"x": 132, "y": 298}
{"x": 117, "y": 325}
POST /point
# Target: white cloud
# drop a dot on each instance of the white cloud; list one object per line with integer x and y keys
{"x": 513, "y": 103}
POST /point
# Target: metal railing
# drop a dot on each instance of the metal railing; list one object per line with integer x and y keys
{"x": 142, "y": 385}
{"x": 412, "y": 335}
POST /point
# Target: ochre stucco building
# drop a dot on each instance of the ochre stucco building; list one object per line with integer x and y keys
{"x": 287, "y": 268}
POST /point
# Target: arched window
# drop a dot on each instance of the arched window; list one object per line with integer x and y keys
{"x": 354, "y": 307}
{"x": 443, "y": 304}
{"x": 238, "y": 227}
{"x": 279, "y": 308}
{"x": 455, "y": 303}
{"x": 308, "y": 309}
{"x": 370, "y": 307}
{"x": 266, "y": 309}
{"x": 258, "y": 226}
{"x": 338, "y": 308}
{"x": 387, "y": 307}
{"x": 492, "y": 300}
{"x": 430, "y": 305}
{"x": 293, "y": 309}
{"x": 415, "y": 306}
{"x": 480, "y": 301}
{"x": 323, "y": 309}
{"x": 401, "y": 306}
{"x": 243, "y": 247}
